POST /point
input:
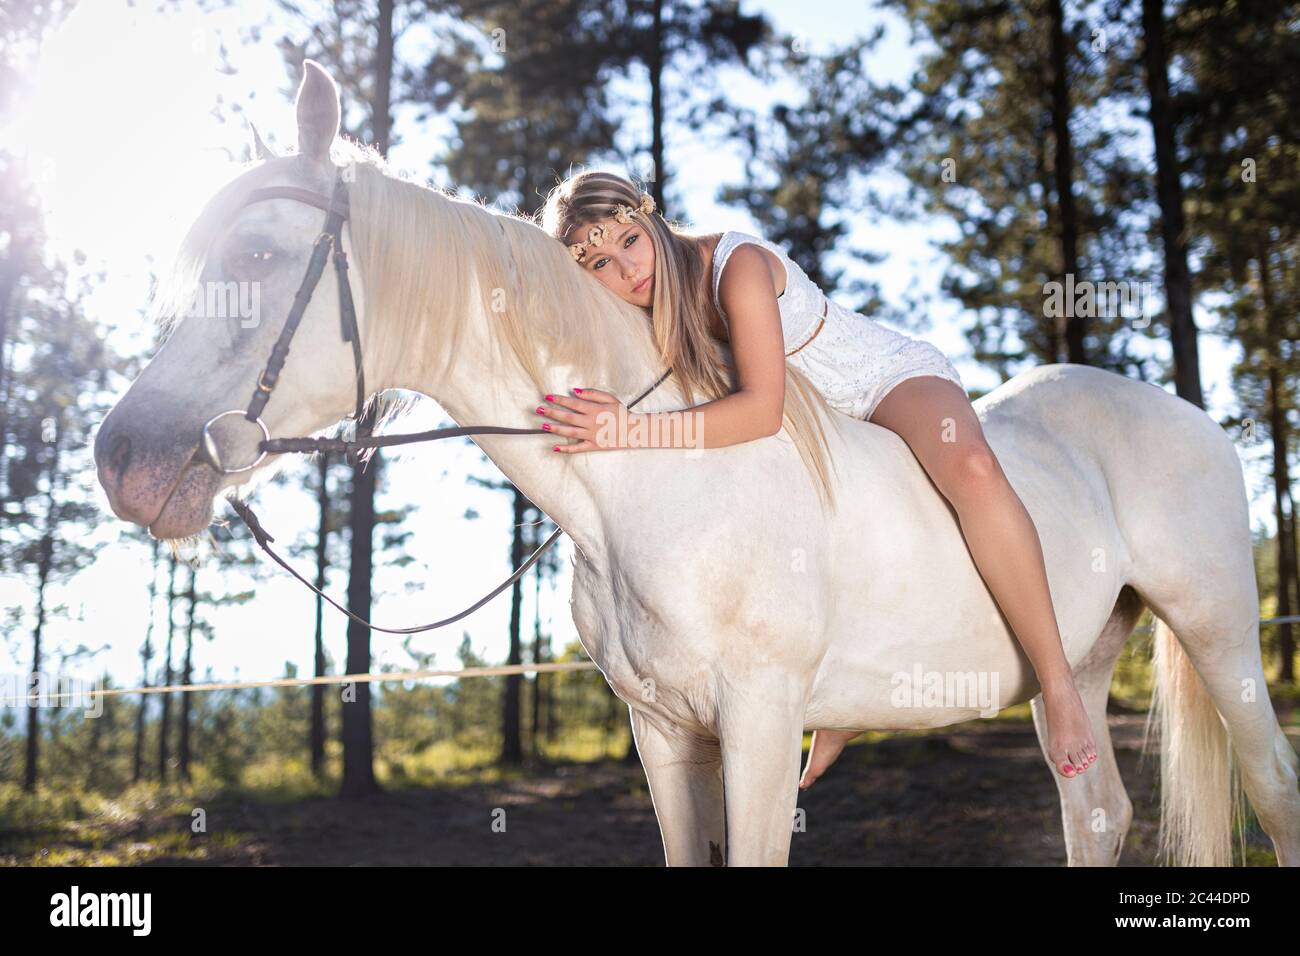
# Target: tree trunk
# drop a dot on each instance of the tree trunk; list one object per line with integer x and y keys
{"x": 1285, "y": 549}
{"x": 1063, "y": 169}
{"x": 656, "y": 66}
{"x": 1169, "y": 193}
{"x": 44, "y": 566}
{"x": 539, "y": 654}
{"x": 146, "y": 656}
{"x": 512, "y": 751}
{"x": 1055, "y": 327}
{"x": 1281, "y": 477}
{"x": 164, "y": 722}
{"x": 358, "y": 739}
{"x": 1295, "y": 570}
{"x": 34, "y": 706}
{"x": 322, "y": 564}
{"x": 97, "y": 760}
{"x": 11, "y": 267}
{"x": 187, "y": 676}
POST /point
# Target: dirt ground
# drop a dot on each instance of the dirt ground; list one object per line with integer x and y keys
{"x": 979, "y": 794}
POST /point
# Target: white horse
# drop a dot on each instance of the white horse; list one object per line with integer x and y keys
{"x": 726, "y": 607}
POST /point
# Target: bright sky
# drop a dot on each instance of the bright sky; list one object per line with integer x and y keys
{"x": 126, "y": 148}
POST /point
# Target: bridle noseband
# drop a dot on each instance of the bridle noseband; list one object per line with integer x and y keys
{"x": 331, "y": 237}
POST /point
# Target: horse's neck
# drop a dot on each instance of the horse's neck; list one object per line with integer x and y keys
{"x": 563, "y": 486}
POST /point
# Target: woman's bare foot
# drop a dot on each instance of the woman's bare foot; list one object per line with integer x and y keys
{"x": 1069, "y": 732}
{"x": 826, "y": 746}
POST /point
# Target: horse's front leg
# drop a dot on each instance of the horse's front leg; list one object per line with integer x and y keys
{"x": 760, "y": 726}
{"x": 684, "y": 771}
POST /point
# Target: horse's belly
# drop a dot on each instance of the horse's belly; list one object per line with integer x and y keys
{"x": 920, "y": 662}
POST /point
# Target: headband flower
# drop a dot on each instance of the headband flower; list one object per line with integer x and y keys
{"x": 597, "y": 234}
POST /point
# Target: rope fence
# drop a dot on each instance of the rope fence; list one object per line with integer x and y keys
{"x": 1289, "y": 619}
{"x": 505, "y": 669}
{"x": 306, "y": 681}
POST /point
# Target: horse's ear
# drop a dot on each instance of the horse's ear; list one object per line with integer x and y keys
{"x": 258, "y": 148}
{"x": 318, "y": 113}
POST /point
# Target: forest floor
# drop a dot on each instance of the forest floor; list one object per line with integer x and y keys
{"x": 975, "y": 794}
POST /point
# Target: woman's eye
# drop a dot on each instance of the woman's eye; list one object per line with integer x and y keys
{"x": 630, "y": 239}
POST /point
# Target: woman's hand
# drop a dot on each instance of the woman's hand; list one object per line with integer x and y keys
{"x": 596, "y": 419}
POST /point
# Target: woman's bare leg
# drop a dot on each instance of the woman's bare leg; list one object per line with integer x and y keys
{"x": 934, "y": 417}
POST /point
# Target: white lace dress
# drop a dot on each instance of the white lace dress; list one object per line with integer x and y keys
{"x": 852, "y": 361}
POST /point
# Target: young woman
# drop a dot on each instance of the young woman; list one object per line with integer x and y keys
{"x": 745, "y": 291}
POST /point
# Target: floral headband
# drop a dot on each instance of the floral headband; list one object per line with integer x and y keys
{"x": 597, "y": 234}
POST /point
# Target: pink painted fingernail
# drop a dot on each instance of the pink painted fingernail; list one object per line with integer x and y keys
{"x": 541, "y": 410}
{"x": 578, "y": 390}
{"x": 556, "y": 448}
{"x": 546, "y": 427}
{"x": 550, "y": 398}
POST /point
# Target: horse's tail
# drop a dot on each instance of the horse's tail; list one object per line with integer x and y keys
{"x": 1200, "y": 787}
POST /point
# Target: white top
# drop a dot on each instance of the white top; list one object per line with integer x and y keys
{"x": 850, "y": 359}
{"x": 802, "y": 304}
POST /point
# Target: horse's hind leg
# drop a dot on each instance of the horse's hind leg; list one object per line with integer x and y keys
{"x": 1180, "y": 502}
{"x": 1210, "y": 678}
{"x": 1095, "y": 808}
{"x": 685, "y": 776}
{"x": 1211, "y": 697}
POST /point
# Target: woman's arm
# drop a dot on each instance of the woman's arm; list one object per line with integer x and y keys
{"x": 755, "y": 409}
{"x": 599, "y": 421}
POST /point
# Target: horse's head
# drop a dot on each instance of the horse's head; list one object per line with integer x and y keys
{"x": 234, "y": 285}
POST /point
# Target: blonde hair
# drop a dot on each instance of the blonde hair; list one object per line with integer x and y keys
{"x": 683, "y": 310}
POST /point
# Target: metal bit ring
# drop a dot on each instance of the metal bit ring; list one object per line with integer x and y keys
{"x": 208, "y": 445}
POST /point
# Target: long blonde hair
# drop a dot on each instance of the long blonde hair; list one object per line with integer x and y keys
{"x": 683, "y": 310}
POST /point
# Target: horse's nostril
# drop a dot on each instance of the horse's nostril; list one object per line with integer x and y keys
{"x": 119, "y": 454}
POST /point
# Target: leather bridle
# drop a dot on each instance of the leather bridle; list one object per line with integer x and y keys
{"x": 331, "y": 237}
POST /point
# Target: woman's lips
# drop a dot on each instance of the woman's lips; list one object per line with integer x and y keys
{"x": 641, "y": 285}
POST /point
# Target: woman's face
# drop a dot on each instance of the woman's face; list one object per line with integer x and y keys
{"x": 624, "y": 262}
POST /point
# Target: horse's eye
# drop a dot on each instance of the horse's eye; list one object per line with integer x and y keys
{"x": 252, "y": 262}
